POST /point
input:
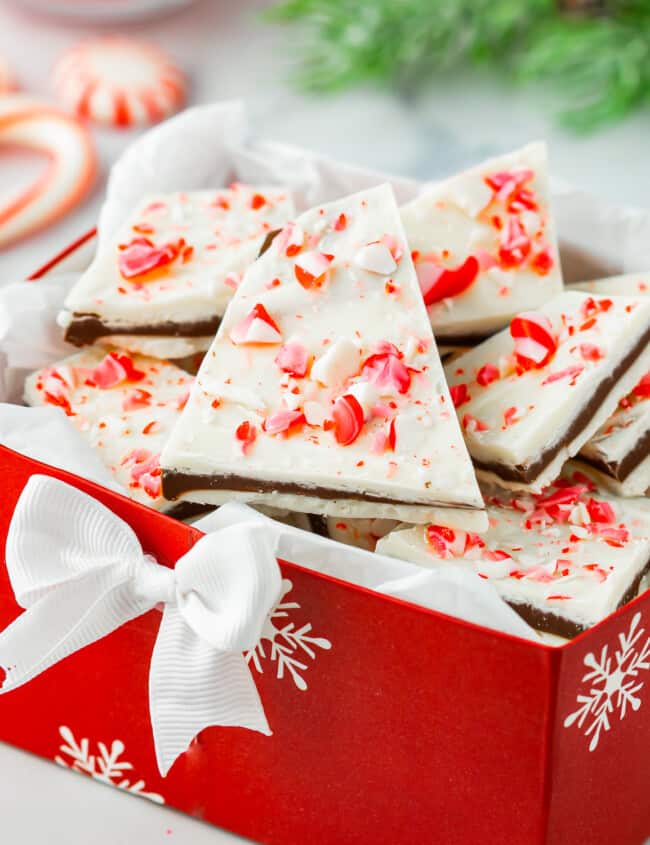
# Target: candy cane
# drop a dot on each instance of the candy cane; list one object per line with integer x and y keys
{"x": 31, "y": 124}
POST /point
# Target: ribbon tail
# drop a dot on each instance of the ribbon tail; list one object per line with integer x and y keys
{"x": 193, "y": 686}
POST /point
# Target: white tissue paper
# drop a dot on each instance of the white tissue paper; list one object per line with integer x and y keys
{"x": 211, "y": 146}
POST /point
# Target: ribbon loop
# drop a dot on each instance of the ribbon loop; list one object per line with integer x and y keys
{"x": 80, "y": 572}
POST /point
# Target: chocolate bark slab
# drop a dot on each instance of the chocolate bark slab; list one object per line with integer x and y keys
{"x": 323, "y": 390}
{"x": 530, "y": 397}
{"x": 530, "y": 471}
{"x": 563, "y": 560}
{"x": 170, "y": 270}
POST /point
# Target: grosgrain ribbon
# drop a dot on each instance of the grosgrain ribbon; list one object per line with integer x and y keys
{"x": 80, "y": 574}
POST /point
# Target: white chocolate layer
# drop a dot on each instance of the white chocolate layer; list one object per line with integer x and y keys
{"x": 573, "y": 552}
{"x": 223, "y": 231}
{"x": 630, "y": 284}
{"x": 515, "y": 417}
{"x": 509, "y": 230}
{"x": 362, "y": 533}
{"x": 127, "y": 423}
{"x": 169, "y": 348}
{"x": 358, "y": 298}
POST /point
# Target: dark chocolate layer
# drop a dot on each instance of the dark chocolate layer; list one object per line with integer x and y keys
{"x": 185, "y": 510}
{"x": 619, "y": 470}
{"x": 560, "y": 626}
{"x": 318, "y": 524}
{"x": 176, "y": 483}
{"x": 85, "y": 329}
{"x": 528, "y": 472}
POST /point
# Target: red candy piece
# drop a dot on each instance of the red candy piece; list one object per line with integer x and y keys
{"x": 282, "y": 421}
{"x": 293, "y": 358}
{"x": 601, "y": 512}
{"x": 508, "y": 186}
{"x": 135, "y": 399}
{"x": 542, "y": 262}
{"x": 141, "y": 256}
{"x": 472, "y": 424}
{"x": 257, "y": 327}
{"x": 387, "y": 370}
{"x": 590, "y": 352}
{"x": 246, "y": 434}
{"x": 487, "y": 374}
{"x": 515, "y": 244}
{"x": 535, "y": 342}
{"x": 311, "y": 269}
{"x": 437, "y": 283}
{"x": 448, "y": 542}
{"x": 348, "y": 419}
{"x": 571, "y": 372}
{"x": 459, "y": 394}
{"x": 145, "y": 471}
{"x": 643, "y": 387}
{"x": 114, "y": 370}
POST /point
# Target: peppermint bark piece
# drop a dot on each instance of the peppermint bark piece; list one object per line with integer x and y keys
{"x": 161, "y": 287}
{"x": 484, "y": 245}
{"x": 564, "y": 560}
{"x": 530, "y": 397}
{"x": 620, "y": 450}
{"x": 323, "y": 391}
{"x": 630, "y": 284}
{"x": 124, "y": 406}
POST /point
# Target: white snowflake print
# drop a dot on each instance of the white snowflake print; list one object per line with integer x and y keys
{"x": 286, "y": 644}
{"x": 105, "y": 765}
{"x": 614, "y": 684}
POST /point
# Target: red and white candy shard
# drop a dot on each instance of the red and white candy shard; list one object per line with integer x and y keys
{"x": 124, "y": 406}
{"x": 522, "y": 395}
{"x": 177, "y": 260}
{"x": 119, "y": 81}
{"x": 29, "y": 124}
{"x": 339, "y": 378}
{"x": 571, "y": 551}
{"x": 484, "y": 244}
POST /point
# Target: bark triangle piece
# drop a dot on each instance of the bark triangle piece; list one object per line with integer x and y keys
{"x": 323, "y": 390}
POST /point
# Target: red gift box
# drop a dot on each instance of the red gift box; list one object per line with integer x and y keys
{"x": 391, "y": 723}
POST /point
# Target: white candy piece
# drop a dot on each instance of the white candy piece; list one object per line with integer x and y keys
{"x": 352, "y": 426}
{"x": 124, "y": 406}
{"x": 525, "y": 418}
{"x": 484, "y": 244}
{"x": 176, "y": 261}
{"x": 562, "y": 567}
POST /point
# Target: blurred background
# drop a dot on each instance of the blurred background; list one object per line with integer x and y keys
{"x": 413, "y": 87}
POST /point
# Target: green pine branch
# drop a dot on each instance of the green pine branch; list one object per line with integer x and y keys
{"x": 600, "y": 64}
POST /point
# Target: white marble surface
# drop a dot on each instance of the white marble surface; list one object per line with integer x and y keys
{"x": 230, "y": 53}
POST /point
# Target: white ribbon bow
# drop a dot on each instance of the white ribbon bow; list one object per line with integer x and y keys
{"x": 80, "y": 573}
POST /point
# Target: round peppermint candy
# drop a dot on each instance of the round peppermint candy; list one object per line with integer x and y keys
{"x": 119, "y": 81}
